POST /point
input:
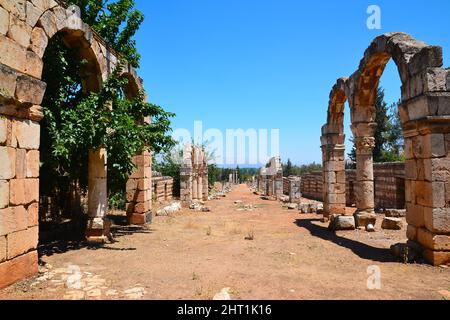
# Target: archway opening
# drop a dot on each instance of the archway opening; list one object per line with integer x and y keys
{"x": 71, "y": 72}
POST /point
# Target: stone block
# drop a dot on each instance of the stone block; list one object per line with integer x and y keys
{"x": 433, "y": 241}
{"x": 2, "y": 249}
{"x": 23, "y": 191}
{"x": 39, "y": 41}
{"x": 33, "y": 164}
{"x": 34, "y": 65}
{"x": 12, "y": 54}
{"x": 363, "y": 219}
{"x": 21, "y": 242}
{"x": 18, "y": 268}
{"x": 33, "y": 214}
{"x": 13, "y": 219}
{"x": 437, "y": 258}
{"x": 4, "y": 193}
{"x": 48, "y": 23}
{"x": 392, "y": 223}
{"x": 433, "y": 145}
{"x": 19, "y": 31}
{"x": 342, "y": 223}
{"x": 411, "y": 232}
{"x": 8, "y": 79}
{"x": 30, "y": 90}
{"x": 437, "y": 220}
{"x": 4, "y": 21}
{"x": 7, "y": 163}
{"x": 27, "y": 134}
{"x": 415, "y": 215}
{"x": 3, "y": 130}
{"x": 33, "y": 14}
{"x": 434, "y": 79}
{"x": 21, "y": 163}
{"x": 15, "y": 7}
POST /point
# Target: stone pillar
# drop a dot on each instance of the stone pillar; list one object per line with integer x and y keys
{"x": 195, "y": 188}
{"x": 98, "y": 226}
{"x": 333, "y": 155}
{"x": 200, "y": 187}
{"x": 139, "y": 190}
{"x": 19, "y": 196}
{"x": 365, "y": 204}
{"x": 205, "y": 185}
{"x": 427, "y": 184}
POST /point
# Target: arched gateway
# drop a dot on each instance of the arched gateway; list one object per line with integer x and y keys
{"x": 425, "y": 117}
{"x": 25, "y": 30}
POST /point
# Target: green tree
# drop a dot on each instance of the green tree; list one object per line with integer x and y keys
{"x": 388, "y": 134}
{"x": 76, "y": 120}
{"x": 287, "y": 168}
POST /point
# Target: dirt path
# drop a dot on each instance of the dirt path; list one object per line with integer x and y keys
{"x": 194, "y": 255}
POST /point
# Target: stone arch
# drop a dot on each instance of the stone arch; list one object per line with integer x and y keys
{"x": 22, "y": 46}
{"x": 425, "y": 117}
{"x": 333, "y": 152}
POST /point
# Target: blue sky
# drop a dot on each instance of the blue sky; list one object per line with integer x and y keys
{"x": 269, "y": 64}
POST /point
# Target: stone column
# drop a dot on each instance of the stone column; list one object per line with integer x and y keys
{"x": 139, "y": 190}
{"x": 205, "y": 185}
{"x": 195, "y": 188}
{"x": 365, "y": 142}
{"x": 98, "y": 227}
{"x": 200, "y": 187}
{"x": 427, "y": 184}
{"x": 333, "y": 155}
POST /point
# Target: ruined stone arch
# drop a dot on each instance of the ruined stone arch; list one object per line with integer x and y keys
{"x": 333, "y": 151}
{"x": 22, "y": 46}
{"x": 425, "y": 117}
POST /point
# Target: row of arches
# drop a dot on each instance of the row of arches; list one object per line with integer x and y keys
{"x": 33, "y": 24}
{"x": 425, "y": 118}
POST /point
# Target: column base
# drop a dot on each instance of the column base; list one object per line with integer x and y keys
{"x": 98, "y": 230}
{"x": 341, "y": 222}
{"x": 364, "y": 218}
{"x": 140, "y": 218}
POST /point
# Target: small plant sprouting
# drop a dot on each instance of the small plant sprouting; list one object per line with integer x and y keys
{"x": 208, "y": 231}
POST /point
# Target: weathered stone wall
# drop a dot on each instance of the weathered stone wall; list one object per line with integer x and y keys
{"x": 389, "y": 186}
{"x": 270, "y": 179}
{"x": 162, "y": 187}
{"x": 26, "y": 27}
{"x": 312, "y": 186}
{"x": 389, "y": 183}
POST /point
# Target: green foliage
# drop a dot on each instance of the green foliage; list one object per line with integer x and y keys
{"x": 76, "y": 121}
{"x": 116, "y": 21}
{"x": 294, "y": 170}
{"x": 169, "y": 164}
{"x": 287, "y": 169}
{"x": 388, "y": 134}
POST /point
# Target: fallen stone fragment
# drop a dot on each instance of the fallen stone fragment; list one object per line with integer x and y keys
{"x": 342, "y": 223}
{"x": 304, "y": 208}
{"x": 313, "y": 208}
{"x": 292, "y": 206}
{"x": 392, "y": 223}
{"x": 224, "y": 294}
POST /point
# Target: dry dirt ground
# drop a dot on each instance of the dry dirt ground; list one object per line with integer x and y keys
{"x": 194, "y": 255}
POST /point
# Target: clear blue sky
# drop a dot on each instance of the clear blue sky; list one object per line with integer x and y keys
{"x": 269, "y": 63}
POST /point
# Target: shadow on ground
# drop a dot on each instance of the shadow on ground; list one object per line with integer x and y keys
{"x": 362, "y": 250}
{"x": 69, "y": 239}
